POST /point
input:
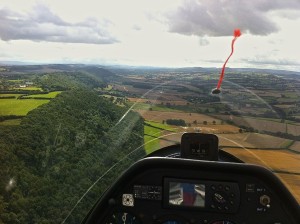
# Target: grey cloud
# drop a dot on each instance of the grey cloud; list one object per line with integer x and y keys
{"x": 42, "y": 14}
{"x": 220, "y": 18}
{"x": 264, "y": 60}
{"x": 43, "y": 25}
{"x": 266, "y": 5}
{"x": 203, "y": 41}
{"x": 136, "y": 27}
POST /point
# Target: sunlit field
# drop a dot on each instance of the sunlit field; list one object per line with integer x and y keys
{"x": 19, "y": 107}
{"x": 50, "y": 95}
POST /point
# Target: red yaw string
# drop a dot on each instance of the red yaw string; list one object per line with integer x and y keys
{"x": 236, "y": 34}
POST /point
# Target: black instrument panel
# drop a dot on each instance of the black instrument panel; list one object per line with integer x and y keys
{"x": 174, "y": 191}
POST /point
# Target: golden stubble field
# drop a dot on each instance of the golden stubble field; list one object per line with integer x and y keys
{"x": 276, "y": 160}
{"x": 253, "y": 140}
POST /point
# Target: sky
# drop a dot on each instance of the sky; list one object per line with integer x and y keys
{"x": 172, "y": 33}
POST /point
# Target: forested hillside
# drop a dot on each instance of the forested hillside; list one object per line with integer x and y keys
{"x": 58, "y": 151}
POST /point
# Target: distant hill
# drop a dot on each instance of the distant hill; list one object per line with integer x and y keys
{"x": 146, "y": 69}
{"x": 92, "y": 70}
{"x": 100, "y": 72}
{"x": 109, "y": 73}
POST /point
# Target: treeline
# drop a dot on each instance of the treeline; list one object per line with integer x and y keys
{"x": 34, "y": 98}
{"x": 58, "y": 151}
{"x": 26, "y": 96}
{"x": 10, "y": 117}
{"x": 24, "y": 92}
{"x": 177, "y": 122}
{"x": 7, "y": 97}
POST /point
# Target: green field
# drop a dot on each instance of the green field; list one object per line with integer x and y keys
{"x": 50, "y": 95}
{"x": 146, "y": 106}
{"x": 164, "y": 109}
{"x": 108, "y": 88}
{"x": 152, "y": 132}
{"x": 271, "y": 119}
{"x": 139, "y": 106}
{"x": 15, "y": 95}
{"x": 19, "y": 107}
{"x": 33, "y": 88}
{"x": 16, "y": 80}
{"x": 11, "y": 122}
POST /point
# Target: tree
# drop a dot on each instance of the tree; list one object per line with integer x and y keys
{"x": 205, "y": 122}
{"x": 177, "y": 122}
{"x": 52, "y": 146}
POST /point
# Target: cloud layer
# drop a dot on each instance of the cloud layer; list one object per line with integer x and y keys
{"x": 220, "y": 18}
{"x": 43, "y": 25}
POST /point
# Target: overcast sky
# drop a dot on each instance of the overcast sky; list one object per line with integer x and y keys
{"x": 154, "y": 32}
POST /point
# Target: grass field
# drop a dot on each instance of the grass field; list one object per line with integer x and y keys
{"x": 29, "y": 88}
{"x": 139, "y": 106}
{"x": 19, "y": 107}
{"x": 16, "y": 80}
{"x": 171, "y": 138}
{"x": 15, "y": 95}
{"x": 152, "y": 132}
{"x": 11, "y": 122}
{"x": 108, "y": 88}
{"x": 163, "y": 109}
{"x": 50, "y": 95}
